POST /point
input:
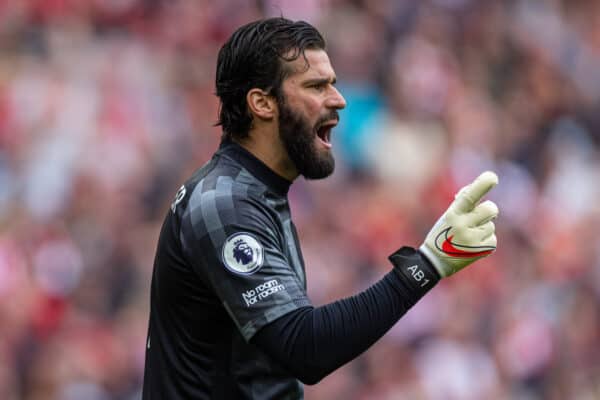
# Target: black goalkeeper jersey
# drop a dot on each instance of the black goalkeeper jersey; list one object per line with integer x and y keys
{"x": 228, "y": 263}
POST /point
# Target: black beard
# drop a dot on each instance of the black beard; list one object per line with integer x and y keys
{"x": 298, "y": 137}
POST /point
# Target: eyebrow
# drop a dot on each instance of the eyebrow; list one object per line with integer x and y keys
{"x": 319, "y": 81}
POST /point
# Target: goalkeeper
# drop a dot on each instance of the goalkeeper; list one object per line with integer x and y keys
{"x": 229, "y": 313}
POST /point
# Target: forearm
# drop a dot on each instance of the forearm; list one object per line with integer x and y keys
{"x": 313, "y": 342}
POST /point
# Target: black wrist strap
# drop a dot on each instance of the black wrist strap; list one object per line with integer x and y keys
{"x": 415, "y": 270}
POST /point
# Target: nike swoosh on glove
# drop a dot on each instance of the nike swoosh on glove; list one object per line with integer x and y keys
{"x": 466, "y": 231}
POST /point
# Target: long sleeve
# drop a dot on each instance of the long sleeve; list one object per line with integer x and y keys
{"x": 311, "y": 342}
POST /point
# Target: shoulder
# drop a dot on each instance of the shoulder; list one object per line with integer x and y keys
{"x": 226, "y": 187}
{"x": 227, "y": 195}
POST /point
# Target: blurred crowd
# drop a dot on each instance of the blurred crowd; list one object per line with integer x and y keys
{"x": 106, "y": 106}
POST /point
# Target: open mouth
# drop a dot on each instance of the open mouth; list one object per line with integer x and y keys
{"x": 324, "y": 132}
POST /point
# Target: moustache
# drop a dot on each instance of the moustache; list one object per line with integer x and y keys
{"x": 333, "y": 115}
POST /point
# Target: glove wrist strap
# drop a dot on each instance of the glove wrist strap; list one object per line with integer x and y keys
{"x": 415, "y": 270}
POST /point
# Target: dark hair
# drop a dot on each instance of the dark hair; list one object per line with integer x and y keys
{"x": 254, "y": 57}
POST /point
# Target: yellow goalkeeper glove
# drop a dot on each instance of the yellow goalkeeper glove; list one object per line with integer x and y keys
{"x": 466, "y": 232}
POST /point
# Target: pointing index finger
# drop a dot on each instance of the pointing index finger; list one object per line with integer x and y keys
{"x": 470, "y": 195}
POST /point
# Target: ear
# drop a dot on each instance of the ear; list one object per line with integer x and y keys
{"x": 261, "y": 104}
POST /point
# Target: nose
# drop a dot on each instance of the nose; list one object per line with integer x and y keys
{"x": 336, "y": 100}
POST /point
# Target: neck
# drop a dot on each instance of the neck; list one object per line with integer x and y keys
{"x": 270, "y": 150}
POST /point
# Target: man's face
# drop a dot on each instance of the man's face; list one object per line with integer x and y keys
{"x": 307, "y": 114}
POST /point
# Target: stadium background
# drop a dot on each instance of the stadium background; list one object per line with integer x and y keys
{"x": 106, "y": 105}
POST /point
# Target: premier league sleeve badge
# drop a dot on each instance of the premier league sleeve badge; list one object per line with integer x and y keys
{"x": 242, "y": 253}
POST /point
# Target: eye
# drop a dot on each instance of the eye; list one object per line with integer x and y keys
{"x": 320, "y": 87}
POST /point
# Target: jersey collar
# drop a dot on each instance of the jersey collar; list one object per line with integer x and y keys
{"x": 256, "y": 167}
